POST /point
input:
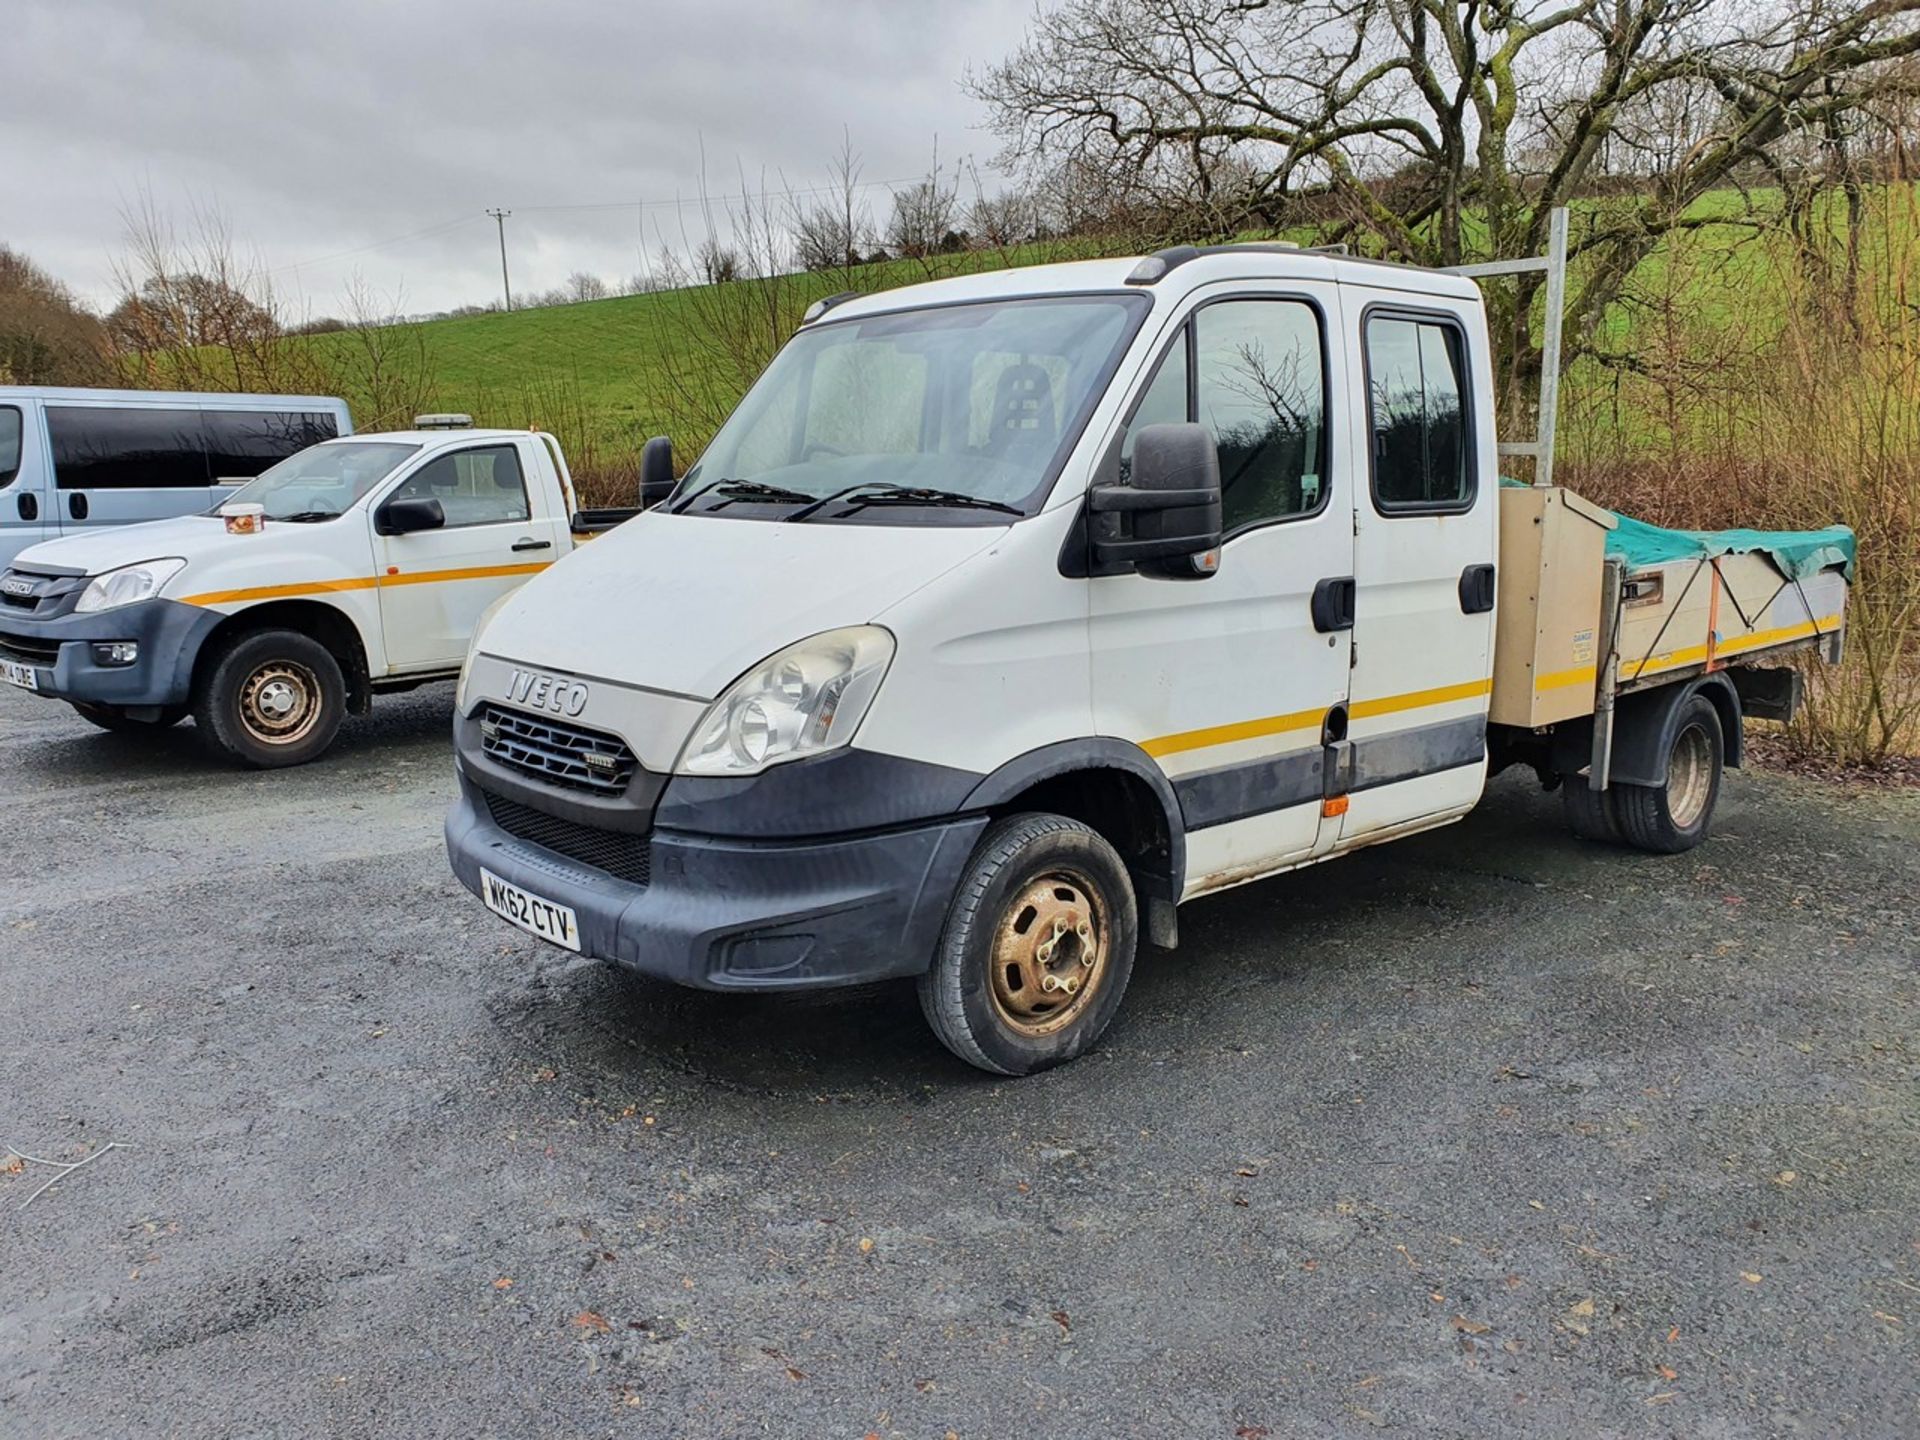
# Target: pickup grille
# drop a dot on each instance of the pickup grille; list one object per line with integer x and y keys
{"x": 620, "y": 853}
{"x": 29, "y": 652}
{"x": 552, "y": 750}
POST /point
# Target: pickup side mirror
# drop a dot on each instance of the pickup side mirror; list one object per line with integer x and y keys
{"x": 1173, "y": 503}
{"x": 404, "y": 517}
{"x": 656, "y": 471}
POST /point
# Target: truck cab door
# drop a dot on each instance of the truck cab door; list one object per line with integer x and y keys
{"x": 25, "y": 516}
{"x": 435, "y": 584}
{"x": 1426, "y": 531}
{"x": 1234, "y": 683}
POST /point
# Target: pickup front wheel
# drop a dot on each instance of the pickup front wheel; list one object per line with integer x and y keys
{"x": 1037, "y": 950}
{"x": 271, "y": 698}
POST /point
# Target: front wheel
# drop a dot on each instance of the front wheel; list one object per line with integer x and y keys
{"x": 1676, "y": 816}
{"x": 112, "y": 717}
{"x": 272, "y": 698}
{"x": 1037, "y": 950}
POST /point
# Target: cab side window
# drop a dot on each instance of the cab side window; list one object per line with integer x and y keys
{"x": 1417, "y": 412}
{"x": 1252, "y": 372}
{"x": 482, "y": 486}
{"x": 9, "y": 445}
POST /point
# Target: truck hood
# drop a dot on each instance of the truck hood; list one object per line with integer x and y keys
{"x": 687, "y": 603}
{"x": 197, "y": 539}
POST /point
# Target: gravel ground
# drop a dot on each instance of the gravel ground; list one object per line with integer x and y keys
{"x": 1482, "y": 1132}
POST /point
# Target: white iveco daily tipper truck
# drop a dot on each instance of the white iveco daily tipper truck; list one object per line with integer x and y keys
{"x": 1008, "y": 612}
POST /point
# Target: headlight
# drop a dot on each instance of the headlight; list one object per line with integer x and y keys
{"x": 808, "y": 698}
{"x": 127, "y": 584}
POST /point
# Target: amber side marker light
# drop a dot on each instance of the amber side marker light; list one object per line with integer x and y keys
{"x": 1334, "y": 807}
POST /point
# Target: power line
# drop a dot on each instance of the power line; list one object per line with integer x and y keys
{"x": 441, "y": 228}
{"x": 743, "y": 196}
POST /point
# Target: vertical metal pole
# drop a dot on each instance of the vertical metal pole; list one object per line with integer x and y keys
{"x": 500, "y": 219}
{"x": 1607, "y": 675}
{"x": 1550, "y": 343}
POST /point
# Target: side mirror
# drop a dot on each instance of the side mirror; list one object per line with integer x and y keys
{"x": 1173, "y": 503}
{"x": 404, "y": 517}
{"x": 656, "y": 471}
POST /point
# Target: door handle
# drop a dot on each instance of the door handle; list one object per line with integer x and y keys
{"x": 1333, "y": 604}
{"x": 1476, "y": 590}
{"x": 29, "y": 506}
{"x": 520, "y": 545}
{"x": 77, "y": 505}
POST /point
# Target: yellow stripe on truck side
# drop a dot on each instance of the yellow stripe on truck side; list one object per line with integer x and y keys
{"x": 358, "y": 582}
{"x": 1310, "y": 719}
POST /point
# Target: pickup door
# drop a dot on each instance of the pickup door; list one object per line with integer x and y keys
{"x": 503, "y": 524}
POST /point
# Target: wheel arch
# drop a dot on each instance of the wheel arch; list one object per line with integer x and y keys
{"x": 1112, "y": 786}
{"x": 328, "y": 624}
{"x": 1645, "y": 723}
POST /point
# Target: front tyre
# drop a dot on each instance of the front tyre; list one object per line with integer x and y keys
{"x": 1037, "y": 950}
{"x": 270, "y": 699}
{"x": 1676, "y": 816}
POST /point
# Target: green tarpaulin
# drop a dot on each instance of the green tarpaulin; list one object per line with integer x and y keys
{"x": 1799, "y": 554}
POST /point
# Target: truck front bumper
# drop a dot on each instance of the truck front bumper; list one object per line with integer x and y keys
{"x": 721, "y": 914}
{"x": 62, "y": 654}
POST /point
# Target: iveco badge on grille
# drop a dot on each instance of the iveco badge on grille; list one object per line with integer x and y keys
{"x": 546, "y": 692}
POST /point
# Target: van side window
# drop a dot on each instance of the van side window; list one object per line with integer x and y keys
{"x": 96, "y": 448}
{"x": 1165, "y": 402}
{"x": 1417, "y": 412}
{"x": 1262, "y": 391}
{"x": 9, "y": 445}
{"x": 482, "y": 486}
{"x": 242, "y": 443}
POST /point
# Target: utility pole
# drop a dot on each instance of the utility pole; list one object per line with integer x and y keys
{"x": 500, "y": 219}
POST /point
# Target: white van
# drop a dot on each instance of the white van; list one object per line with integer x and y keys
{"x": 74, "y": 460}
{"x": 1006, "y": 613}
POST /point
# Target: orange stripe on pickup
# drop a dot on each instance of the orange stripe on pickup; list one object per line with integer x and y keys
{"x": 357, "y": 582}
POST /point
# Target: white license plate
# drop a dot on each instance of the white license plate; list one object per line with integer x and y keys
{"x": 551, "y": 922}
{"x": 25, "y": 676}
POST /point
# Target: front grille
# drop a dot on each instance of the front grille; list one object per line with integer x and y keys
{"x": 19, "y": 602}
{"x": 554, "y": 751}
{"x": 29, "y": 652}
{"x": 620, "y": 853}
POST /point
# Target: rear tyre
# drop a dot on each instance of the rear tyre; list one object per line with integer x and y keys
{"x": 1037, "y": 950}
{"x": 1667, "y": 819}
{"x": 1589, "y": 813}
{"x": 270, "y": 699}
{"x": 112, "y": 717}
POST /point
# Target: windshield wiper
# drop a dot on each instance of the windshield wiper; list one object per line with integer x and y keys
{"x": 880, "y": 492}
{"x": 301, "y": 517}
{"x": 744, "y": 490}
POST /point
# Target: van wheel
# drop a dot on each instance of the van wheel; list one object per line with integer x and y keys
{"x": 112, "y": 717}
{"x": 1589, "y": 812}
{"x": 1037, "y": 950}
{"x": 271, "y": 698}
{"x": 1669, "y": 818}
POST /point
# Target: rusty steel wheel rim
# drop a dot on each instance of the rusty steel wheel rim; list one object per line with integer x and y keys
{"x": 1051, "y": 953}
{"x": 1689, "y": 776}
{"x": 280, "y": 702}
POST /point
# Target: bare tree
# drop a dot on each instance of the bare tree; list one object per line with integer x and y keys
{"x": 925, "y": 214}
{"x": 831, "y": 233}
{"x": 582, "y": 286}
{"x": 46, "y": 338}
{"x": 1439, "y": 131}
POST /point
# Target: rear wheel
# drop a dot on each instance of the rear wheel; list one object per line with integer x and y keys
{"x": 272, "y": 698}
{"x": 1676, "y": 816}
{"x": 112, "y": 717}
{"x": 1037, "y": 950}
{"x": 1589, "y": 812}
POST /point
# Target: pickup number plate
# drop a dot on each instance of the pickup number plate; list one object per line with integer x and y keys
{"x": 552, "y": 922}
{"x": 25, "y": 676}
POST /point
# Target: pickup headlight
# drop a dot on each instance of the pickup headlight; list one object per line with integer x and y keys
{"x": 127, "y": 584}
{"x": 808, "y": 698}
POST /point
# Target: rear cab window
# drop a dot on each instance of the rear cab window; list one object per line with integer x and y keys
{"x": 1417, "y": 414}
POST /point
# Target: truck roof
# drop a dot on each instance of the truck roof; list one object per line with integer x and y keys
{"x": 439, "y": 436}
{"x": 1207, "y": 266}
{"x": 262, "y": 398}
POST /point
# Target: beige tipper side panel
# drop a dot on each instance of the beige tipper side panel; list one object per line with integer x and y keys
{"x": 1689, "y": 614}
{"x": 1546, "y": 645}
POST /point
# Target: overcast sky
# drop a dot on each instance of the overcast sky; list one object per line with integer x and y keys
{"x": 322, "y": 129}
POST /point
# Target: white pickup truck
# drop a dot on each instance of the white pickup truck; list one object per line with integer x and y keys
{"x": 1006, "y": 613}
{"x": 357, "y": 566}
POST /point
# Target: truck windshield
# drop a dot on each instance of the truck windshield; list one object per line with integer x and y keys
{"x": 322, "y": 481}
{"x": 924, "y": 410}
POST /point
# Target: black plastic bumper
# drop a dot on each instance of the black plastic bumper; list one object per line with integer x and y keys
{"x": 721, "y": 914}
{"x": 60, "y": 650}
